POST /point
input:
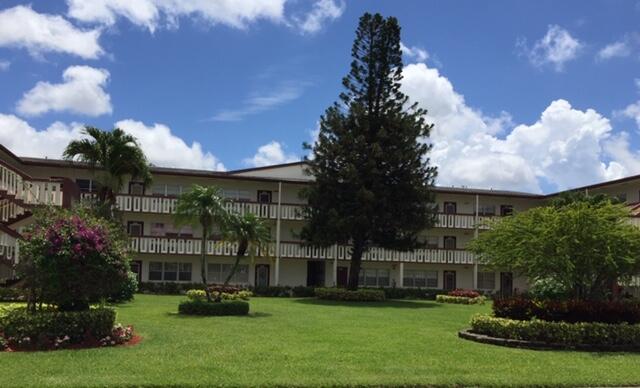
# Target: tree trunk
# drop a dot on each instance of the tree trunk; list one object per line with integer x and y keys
{"x": 354, "y": 268}
{"x": 203, "y": 262}
{"x": 242, "y": 250}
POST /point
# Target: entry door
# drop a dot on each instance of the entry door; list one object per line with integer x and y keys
{"x": 449, "y": 280}
{"x": 136, "y": 268}
{"x": 506, "y": 283}
{"x": 343, "y": 276}
{"x": 315, "y": 273}
{"x": 262, "y": 275}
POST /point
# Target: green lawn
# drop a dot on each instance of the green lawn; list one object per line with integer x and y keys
{"x": 309, "y": 342}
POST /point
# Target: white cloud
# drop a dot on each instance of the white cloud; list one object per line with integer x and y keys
{"x": 4, "y": 65}
{"x": 637, "y": 83}
{"x": 269, "y": 154}
{"x": 261, "y": 102}
{"x": 556, "y": 48}
{"x": 22, "y": 27}
{"x": 613, "y": 50}
{"x": 152, "y": 14}
{"x": 161, "y": 146}
{"x": 321, "y": 12}
{"x": 632, "y": 111}
{"x": 413, "y": 52}
{"x": 165, "y": 149}
{"x": 565, "y": 147}
{"x": 80, "y": 92}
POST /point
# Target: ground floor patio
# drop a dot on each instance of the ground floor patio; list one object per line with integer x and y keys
{"x": 310, "y": 342}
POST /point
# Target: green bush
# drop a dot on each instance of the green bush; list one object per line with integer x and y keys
{"x": 39, "y": 330}
{"x": 11, "y": 294}
{"x": 303, "y": 292}
{"x": 3, "y": 344}
{"x": 412, "y": 293}
{"x": 201, "y": 295}
{"x": 361, "y": 295}
{"x": 460, "y": 299}
{"x": 168, "y": 288}
{"x": 562, "y": 333}
{"x": 127, "y": 289}
{"x": 200, "y": 307}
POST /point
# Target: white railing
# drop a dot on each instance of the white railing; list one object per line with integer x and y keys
{"x": 296, "y": 250}
{"x": 8, "y": 247}
{"x": 462, "y": 221}
{"x": 10, "y": 211}
{"x": 29, "y": 190}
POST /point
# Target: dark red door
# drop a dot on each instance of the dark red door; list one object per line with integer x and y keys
{"x": 343, "y": 276}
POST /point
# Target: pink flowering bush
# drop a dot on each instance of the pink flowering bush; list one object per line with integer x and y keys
{"x": 73, "y": 259}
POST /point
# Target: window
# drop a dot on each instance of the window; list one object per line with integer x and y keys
{"x": 168, "y": 190}
{"x": 170, "y": 271}
{"x": 264, "y": 196}
{"x": 184, "y": 272}
{"x": 136, "y": 188}
{"x": 87, "y": 185}
{"x": 155, "y": 270}
{"x": 158, "y": 190}
{"x": 449, "y": 242}
{"x": 450, "y": 208}
{"x": 486, "y": 280}
{"x": 487, "y": 210}
{"x": 157, "y": 229}
{"x": 135, "y": 228}
{"x": 420, "y": 278}
{"x": 217, "y": 273}
{"x": 371, "y": 277}
{"x": 506, "y": 210}
{"x": 432, "y": 242}
{"x": 237, "y": 195}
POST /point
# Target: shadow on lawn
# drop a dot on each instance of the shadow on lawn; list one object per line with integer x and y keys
{"x": 404, "y": 304}
{"x": 175, "y": 314}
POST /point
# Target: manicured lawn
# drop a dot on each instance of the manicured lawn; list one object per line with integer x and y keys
{"x": 308, "y": 342}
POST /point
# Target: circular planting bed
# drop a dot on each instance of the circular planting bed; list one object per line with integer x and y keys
{"x": 538, "y": 334}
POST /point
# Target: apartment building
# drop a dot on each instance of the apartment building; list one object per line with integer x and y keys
{"x": 164, "y": 253}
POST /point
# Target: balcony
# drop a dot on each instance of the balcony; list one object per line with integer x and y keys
{"x": 462, "y": 221}
{"x": 23, "y": 189}
{"x": 296, "y": 250}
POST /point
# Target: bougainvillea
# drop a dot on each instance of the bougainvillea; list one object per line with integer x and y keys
{"x": 73, "y": 258}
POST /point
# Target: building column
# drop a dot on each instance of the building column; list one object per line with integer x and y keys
{"x": 278, "y": 217}
{"x": 475, "y": 235}
{"x": 335, "y": 265}
{"x": 401, "y": 275}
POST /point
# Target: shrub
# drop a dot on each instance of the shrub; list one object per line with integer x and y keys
{"x": 569, "y": 310}
{"x": 44, "y": 329}
{"x": 563, "y": 333}
{"x": 361, "y": 295}
{"x": 11, "y": 294}
{"x": 548, "y": 288}
{"x": 3, "y": 343}
{"x": 196, "y": 295}
{"x": 303, "y": 292}
{"x": 464, "y": 293}
{"x": 127, "y": 289}
{"x": 460, "y": 299}
{"x": 273, "y": 291}
{"x": 412, "y": 293}
{"x": 201, "y": 295}
{"x": 199, "y": 307}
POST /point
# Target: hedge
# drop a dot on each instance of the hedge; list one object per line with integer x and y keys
{"x": 571, "y": 311}
{"x": 199, "y": 307}
{"x": 11, "y": 294}
{"x": 559, "y": 333}
{"x": 40, "y": 329}
{"x": 361, "y": 295}
{"x": 460, "y": 299}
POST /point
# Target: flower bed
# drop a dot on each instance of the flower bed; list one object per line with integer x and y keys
{"x": 537, "y": 333}
{"x": 361, "y": 295}
{"x": 52, "y": 330}
{"x": 238, "y": 294}
{"x": 464, "y": 293}
{"x": 202, "y": 307}
{"x": 460, "y": 299}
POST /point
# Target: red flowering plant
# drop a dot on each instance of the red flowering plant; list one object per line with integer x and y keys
{"x": 464, "y": 293}
{"x": 73, "y": 259}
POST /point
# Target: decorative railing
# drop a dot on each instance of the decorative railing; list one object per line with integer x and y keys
{"x": 32, "y": 191}
{"x": 8, "y": 247}
{"x": 462, "y": 221}
{"x": 296, "y": 250}
{"x": 10, "y": 211}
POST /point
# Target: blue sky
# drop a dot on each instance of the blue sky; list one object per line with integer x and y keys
{"x": 535, "y": 96}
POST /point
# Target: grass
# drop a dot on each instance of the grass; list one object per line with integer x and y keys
{"x": 310, "y": 342}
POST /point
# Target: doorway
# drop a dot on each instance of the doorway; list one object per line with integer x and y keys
{"x": 136, "y": 268}
{"x": 262, "y": 275}
{"x": 449, "y": 280}
{"x": 506, "y": 283}
{"x": 315, "y": 273}
{"x": 342, "y": 276}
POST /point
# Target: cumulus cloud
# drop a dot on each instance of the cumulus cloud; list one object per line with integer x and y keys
{"x": 161, "y": 146}
{"x": 165, "y": 149}
{"x": 23, "y": 27}
{"x": 632, "y": 111}
{"x": 81, "y": 92}
{"x": 555, "y": 49}
{"x": 565, "y": 147}
{"x": 271, "y": 153}
{"x": 414, "y": 52}
{"x": 322, "y": 11}
{"x": 613, "y": 50}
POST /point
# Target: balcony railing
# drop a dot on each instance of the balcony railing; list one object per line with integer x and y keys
{"x": 462, "y": 221}
{"x": 8, "y": 247}
{"x": 32, "y": 191}
{"x": 296, "y": 250}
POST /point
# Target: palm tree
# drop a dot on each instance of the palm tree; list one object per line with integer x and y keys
{"x": 113, "y": 156}
{"x": 202, "y": 206}
{"x": 250, "y": 233}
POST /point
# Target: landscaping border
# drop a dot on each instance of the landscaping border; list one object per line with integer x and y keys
{"x": 538, "y": 345}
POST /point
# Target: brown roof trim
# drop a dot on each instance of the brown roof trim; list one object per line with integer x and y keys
{"x": 486, "y": 192}
{"x": 267, "y": 167}
{"x": 597, "y": 185}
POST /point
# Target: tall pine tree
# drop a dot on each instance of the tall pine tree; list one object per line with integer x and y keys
{"x": 373, "y": 180}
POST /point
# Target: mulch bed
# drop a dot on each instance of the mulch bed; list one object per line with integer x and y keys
{"x": 136, "y": 339}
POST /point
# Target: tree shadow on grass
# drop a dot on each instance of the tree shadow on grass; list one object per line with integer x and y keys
{"x": 258, "y": 314}
{"x": 396, "y": 303}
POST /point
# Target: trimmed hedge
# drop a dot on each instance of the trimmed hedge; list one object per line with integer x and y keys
{"x": 11, "y": 294}
{"x": 39, "y": 330}
{"x": 460, "y": 299}
{"x": 558, "y": 333}
{"x": 200, "y": 307}
{"x": 361, "y": 295}
{"x": 571, "y": 311}
{"x": 464, "y": 293}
